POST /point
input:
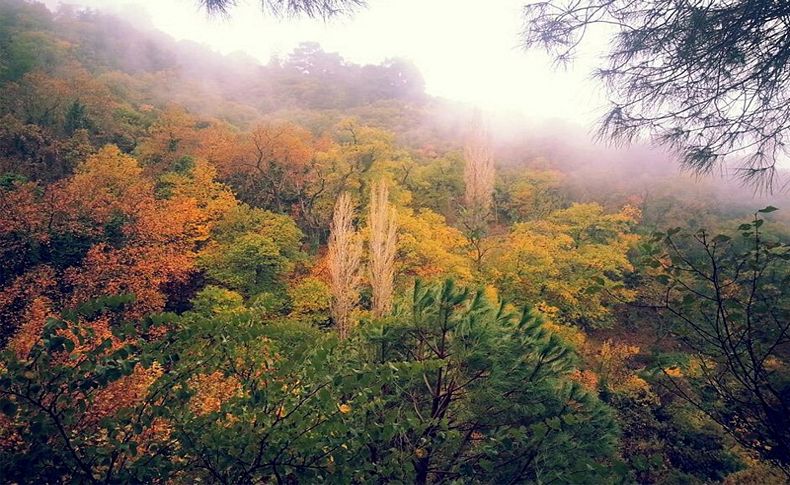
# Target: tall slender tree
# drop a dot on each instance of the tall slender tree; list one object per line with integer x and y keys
{"x": 479, "y": 187}
{"x": 345, "y": 256}
{"x": 383, "y": 244}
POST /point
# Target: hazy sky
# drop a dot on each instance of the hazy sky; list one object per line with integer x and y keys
{"x": 467, "y": 50}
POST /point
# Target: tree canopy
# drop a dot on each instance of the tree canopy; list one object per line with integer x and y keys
{"x": 707, "y": 78}
{"x": 311, "y": 271}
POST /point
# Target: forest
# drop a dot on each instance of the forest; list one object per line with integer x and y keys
{"x": 214, "y": 270}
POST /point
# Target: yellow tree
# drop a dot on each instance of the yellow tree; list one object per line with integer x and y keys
{"x": 383, "y": 241}
{"x": 430, "y": 249}
{"x": 574, "y": 260}
{"x": 345, "y": 256}
{"x": 174, "y": 135}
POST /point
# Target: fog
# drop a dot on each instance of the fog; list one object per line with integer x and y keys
{"x": 467, "y": 53}
{"x": 466, "y": 50}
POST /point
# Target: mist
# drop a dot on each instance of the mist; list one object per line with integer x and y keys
{"x": 472, "y": 60}
{"x": 389, "y": 246}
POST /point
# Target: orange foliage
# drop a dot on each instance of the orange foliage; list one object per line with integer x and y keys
{"x": 34, "y": 319}
{"x": 139, "y": 241}
{"x": 19, "y": 212}
{"x": 27, "y": 291}
{"x": 211, "y": 391}
{"x": 320, "y": 269}
{"x": 273, "y": 159}
{"x": 587, "y": 378}
{"x": 268, "y": 144}
{"x": 173, "y": 136}
{"x": 612, "y": 358}
{"x": 125, "y": 392}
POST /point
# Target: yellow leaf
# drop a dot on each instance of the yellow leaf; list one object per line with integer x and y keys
{"x": 281, "y": 412}
{"x": 673, "y": 372}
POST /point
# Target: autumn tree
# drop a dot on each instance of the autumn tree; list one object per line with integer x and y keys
{"x": 174, "y": 135}
{"x": 383, "y": 226}
{"x": 430, "y": 249}
{"x": 525, "y": 195}
{"x": 270, "y": 164}
{"x": 107, "y": 229}
{"x": 479, "y": 189}
{"x": 575, "y": 260}
{"x": 345, "y": 255}
{"x": 221, "y": 397}
{"x": 79, "y": 399}
{"x": 366, "y": 154}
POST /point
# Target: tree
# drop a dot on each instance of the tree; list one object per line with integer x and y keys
{"x": 525, "y": 195}
{"x": 271, "y": 165}
{"x": 480, "y": 394}
{"x": 575, "y": 261}
{"x": 708, "y": 79}
{"x": 310, "y": 301}
{"x": 383, "y": 244}
{"x": 106, "y": 229}
{"x": 430, "y": 249}
{"x": 253, "y": 402}
{"x": 479, "y": 189}
{"x": 79, "y": 400}
{"x": 76, "y": 118}
{"x": 251, "y": 251}
{"x": 290, "y": 8}
{"x": 345, "y": 255}
{"x": 729, "y": 302}
{"x": 174, "y": 135}
{"x": 219, "y": 398}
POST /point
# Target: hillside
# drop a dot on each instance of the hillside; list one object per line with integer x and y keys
{"x": 309, "y": 270}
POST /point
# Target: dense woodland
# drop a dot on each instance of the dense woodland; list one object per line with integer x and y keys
{"x": 213, "y": 270}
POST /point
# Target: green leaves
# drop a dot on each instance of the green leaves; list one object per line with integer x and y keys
{"x": 64, "y": 401}
{"x": 501, "y": 364}
{"x": 234, "y": 391}
{"x": 728, "y": 301}
{"x": 58, "y": 343}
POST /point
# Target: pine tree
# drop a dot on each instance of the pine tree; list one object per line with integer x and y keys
{"x": 76, "y": 118}
{"x": 486, "y": 396}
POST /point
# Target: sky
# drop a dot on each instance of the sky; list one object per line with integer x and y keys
{"x": 467, "y": 50}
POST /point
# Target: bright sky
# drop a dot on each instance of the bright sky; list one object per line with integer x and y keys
{"x": 467, "y": 50}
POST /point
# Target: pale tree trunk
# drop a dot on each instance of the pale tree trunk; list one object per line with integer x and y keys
{"x": 479, "y": 185}
{"x": 345, "y": 256}
{"x": 383, "y": 244}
